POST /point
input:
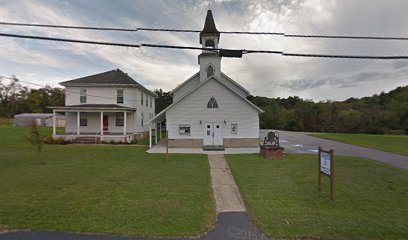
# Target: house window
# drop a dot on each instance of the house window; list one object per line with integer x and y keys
{"x": 147, "y": 100}
{"x": 151, "y": 102}
{"x": 210, "y": 71}
{"x": 83, "y": 119}
{"x": 119, "y": 96}
{"x": 141, "y": 98}
{"x": 185, "y": 129}
{"x": 212, "y": 103}
{"x": 82, "y": 96}
{"x": 142, "y": 119}
{"x": 120, "y": 119}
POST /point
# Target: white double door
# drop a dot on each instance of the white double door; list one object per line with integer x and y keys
{"x": 213, "y": 134}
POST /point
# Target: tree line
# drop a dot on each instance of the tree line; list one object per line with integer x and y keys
{"x": 16, "y": 98}
{"x": 385, "y": 113}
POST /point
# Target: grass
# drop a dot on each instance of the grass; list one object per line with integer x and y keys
{"x": 388, "y": 143}
{"x": 145, "y": 141}
{"x": 371, "y": 199}
{"x": 101, "y": 189}
{"x": 5, "y": 121}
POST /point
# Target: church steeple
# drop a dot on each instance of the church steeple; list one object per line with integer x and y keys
{"x": 209, "y": 30}
{"x": 209, "y": 60}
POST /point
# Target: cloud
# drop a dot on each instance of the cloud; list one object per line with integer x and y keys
{"x": 267, "y": 75}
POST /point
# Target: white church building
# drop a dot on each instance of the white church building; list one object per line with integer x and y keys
{"x": 209, "y": 109}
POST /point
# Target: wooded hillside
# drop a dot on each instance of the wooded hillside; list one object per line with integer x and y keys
{"x": 386, "y": 113}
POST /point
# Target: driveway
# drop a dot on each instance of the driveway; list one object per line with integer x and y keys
{"x": 300, "y": 142}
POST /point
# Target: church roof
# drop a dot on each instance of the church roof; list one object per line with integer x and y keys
{"x": 209, "y": 26}
{"x": 161, "y": 115}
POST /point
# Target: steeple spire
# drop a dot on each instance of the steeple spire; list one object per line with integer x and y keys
{"x": 209, "y": 27}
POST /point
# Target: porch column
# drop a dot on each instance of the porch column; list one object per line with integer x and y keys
{"x": 155, "y": 134}
{"x": 54, "y": 128}
{"x": 124, "y": 123}
{"x": 150, "y": 136}
{"x": 160, "y": 131}
{"x": 101, "y": 123}
{"x": 78, "y": 121}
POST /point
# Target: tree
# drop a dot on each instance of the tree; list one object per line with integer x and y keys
{"x": 35, "y": 136}
{"x": 11, "y": 95}
{"x": 163, "y": 100}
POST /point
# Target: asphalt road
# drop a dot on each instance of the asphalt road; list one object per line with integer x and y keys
{"x": 300, "y": 142}
{"x": 229, "y": 226}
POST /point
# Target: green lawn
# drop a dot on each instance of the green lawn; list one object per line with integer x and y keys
{"x": 103, "y": 189}
{"x": 145, "y": 141}
{"x": 388, "y": 143}
{"x": 371, "y": 199}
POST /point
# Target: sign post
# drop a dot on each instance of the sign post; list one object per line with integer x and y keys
{"x": 167, "y": 145}
{"x": 326, "y": 167}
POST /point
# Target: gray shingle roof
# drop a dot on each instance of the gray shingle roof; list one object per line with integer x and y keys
{"x": 113, "y": 77}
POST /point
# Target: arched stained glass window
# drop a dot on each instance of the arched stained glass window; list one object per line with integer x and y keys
{"x": 212, "y": 103}
{"x": 210, "y": 71}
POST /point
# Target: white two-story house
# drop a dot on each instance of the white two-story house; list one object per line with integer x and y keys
{"x": 109, "y": 106}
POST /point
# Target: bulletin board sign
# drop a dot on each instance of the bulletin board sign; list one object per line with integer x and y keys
{"x": 326, "y": 168}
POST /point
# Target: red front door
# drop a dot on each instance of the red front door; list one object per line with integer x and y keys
{"x": 105, "y": 123}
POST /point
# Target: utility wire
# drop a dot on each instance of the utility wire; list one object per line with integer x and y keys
{"x": 242, "y": 51}
{"x": 69, "y": 40}
{"x": 69, "y": 27}
{"x": 197, "y": 31}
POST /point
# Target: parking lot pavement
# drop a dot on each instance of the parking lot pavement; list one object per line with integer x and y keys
{"x": 300, "y": 142}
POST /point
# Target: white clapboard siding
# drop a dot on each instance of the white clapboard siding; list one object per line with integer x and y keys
{"x": 186, "y": 87}
{"x": 231, "y": 108}
{"x": 104, "y": 95}
{"x": 94, "y": 123}
{"x": 195, "y": 81}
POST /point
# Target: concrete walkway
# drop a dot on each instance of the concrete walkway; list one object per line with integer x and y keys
{"x": 233, "y": 221}
{"x": 161, "y": 148}
{"x": 226, "y": 193}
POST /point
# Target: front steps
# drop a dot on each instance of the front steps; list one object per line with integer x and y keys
{"x": 213, "y": 148}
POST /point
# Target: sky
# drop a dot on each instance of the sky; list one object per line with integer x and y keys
{"x": 45, "y": 62}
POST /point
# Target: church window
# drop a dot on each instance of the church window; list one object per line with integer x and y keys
{"x": 212, "y": 103}
{"x": 210, "y": 71}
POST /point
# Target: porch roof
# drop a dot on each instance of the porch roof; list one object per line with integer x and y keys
{"x": 94, "y": 108}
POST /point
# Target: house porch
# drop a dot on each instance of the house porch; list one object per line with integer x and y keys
{"x": 97, "y": 123}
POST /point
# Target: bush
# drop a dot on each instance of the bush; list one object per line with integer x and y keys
{"x": 48, "y": 139}
{"x": 396, "y": 132}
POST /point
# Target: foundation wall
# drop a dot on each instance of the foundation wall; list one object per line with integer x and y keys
{"x": 228, "y": 143}
{"x": 241, "y": 142}
{"x": 185, "y": 143}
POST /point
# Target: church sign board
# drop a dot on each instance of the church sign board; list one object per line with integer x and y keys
{"x": 326, "y": 168}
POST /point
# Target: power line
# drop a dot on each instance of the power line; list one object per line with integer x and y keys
{"x": 345, "y": 37}
{"x": 69, "y": 40}
{"x": 219, "y": 50}
{"x": 69, "y": 27}
{"x": 197, "y": 31}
